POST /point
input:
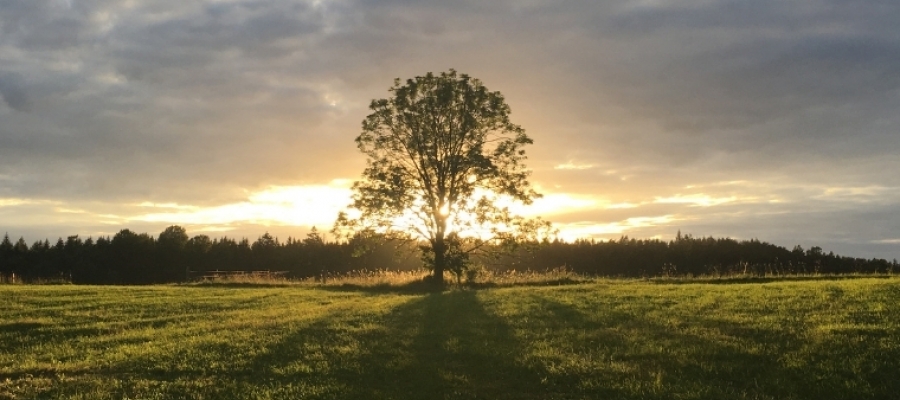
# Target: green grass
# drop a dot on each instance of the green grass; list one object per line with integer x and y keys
{"x": 717, "y": 339}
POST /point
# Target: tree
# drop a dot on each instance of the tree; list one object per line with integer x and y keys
{"x": 314, "y": 238}
{"x": 442, "y": 159}
{"x": 199, "y": 244}
{"x": 173, "y": 260}
{"x": 131, "y": 257}
{"x": 265, "y": 242}
{"x": 173, "y": 237}
{"x": 6, "y": 253}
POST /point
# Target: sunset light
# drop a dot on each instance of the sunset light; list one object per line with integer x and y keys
{"x": 358, "y": 199}
{"x": 313, "y": 205}
{"x": 238, "y": 118}
{"x": 571, "y": 232}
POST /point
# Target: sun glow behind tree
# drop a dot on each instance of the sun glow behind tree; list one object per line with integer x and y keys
{"x": 316, "y": 205}
{"x": 467, "y": 224}
{"x": 441, "y": 153}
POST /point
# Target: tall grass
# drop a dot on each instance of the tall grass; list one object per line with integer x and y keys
{"x": 412, "y": 279}
{"x": 487, "y": 278}
{"x": 13, "y": 279}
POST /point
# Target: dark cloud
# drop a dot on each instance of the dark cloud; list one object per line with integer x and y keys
{"x": 12, "y": 89}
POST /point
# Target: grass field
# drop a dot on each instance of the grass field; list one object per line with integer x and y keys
{"x": 795, "y": 339}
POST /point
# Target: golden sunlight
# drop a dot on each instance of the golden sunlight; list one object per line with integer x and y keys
{"x": 307, "y": 205}
{"x": 575, "y": 231}
{"x": 319, "y": 205}
{"x": 696, "y": 200}
{"x": 553, "y": 204}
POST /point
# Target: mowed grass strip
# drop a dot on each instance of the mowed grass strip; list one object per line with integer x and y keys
{"x": 799, "y": 339}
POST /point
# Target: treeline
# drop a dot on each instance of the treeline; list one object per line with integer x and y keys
{"x": 173, "y": 256}
{"x": 689, "y": 256}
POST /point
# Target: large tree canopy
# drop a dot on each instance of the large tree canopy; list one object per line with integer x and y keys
{"x": 444, "y": 163}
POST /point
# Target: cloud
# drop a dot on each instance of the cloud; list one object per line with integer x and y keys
{"x": 613, "y": 230}
{"x": 200, "y": 103}
{"x": 699, "y": 200}
{"x": 13, "y": 92}
{"x": 571, "y": 165}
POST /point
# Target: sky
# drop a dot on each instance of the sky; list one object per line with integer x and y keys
{"x": 770, "y": 119}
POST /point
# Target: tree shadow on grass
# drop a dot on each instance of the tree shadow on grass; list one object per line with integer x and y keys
{"x": 458, "y": 350}
{"x": 439, "y": 346}
{"x": 410, "y": 288}
{"x": 435, "y": 346}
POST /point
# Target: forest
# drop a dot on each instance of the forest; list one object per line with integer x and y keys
{"x": 173, "y": 256}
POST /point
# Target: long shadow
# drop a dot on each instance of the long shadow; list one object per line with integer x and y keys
{"x": 438, "y": 346}
{"x": 457, "y": 350}
{"x": 718, "y": 359}
{"x": 224, "y": 372}
{"x": 632, "y": 367}
{"x": 450, "y": 345}
{"x": 19, "y": 327}
{"x": 415, "y": 288}
{"x": 116, "y": 333}
{"x": 17, "y": 336}
{"x": 129, "y": 317}
{"x": 577, "y": 335}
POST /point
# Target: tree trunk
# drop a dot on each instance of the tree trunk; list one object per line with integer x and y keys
{"x": 440, "y": 261}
